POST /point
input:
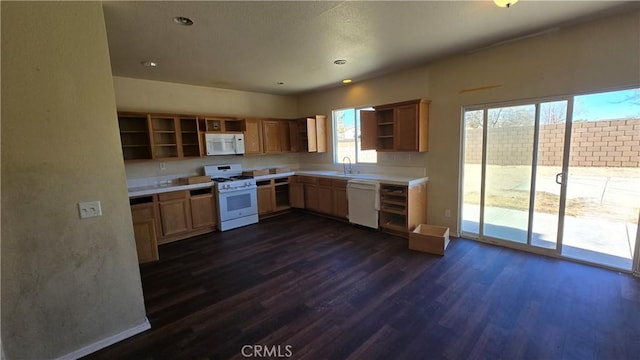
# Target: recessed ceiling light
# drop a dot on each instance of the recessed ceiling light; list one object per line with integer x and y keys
{"x": 183, "y": 20}
{"x": 149, "y": 63}
{"x": 346, "y": 81}
{"x": 340, "y": 62}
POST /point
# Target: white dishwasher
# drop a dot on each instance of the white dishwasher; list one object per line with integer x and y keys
{"x": 364, "y": 202}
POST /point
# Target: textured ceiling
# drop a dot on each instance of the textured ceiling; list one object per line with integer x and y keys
{"x": 253, "y": 45}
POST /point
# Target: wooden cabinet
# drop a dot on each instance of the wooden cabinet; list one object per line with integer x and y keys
{"x": 396, "y": 127}
{"x": 309, "y": 134}
{"x": 296, "y": 193}
{"x": 320, "y": 194}
{"x": 273, "y": 195}
{"x": 164, "y": 137}
{"x": 402, "y": 208}
{"x": 265, "y": 197}
{"x": 203, "y": 208}
{"x": 310, "y": 192}
{"x": 134, "y": 136}
{"x": 221, "y": 124}
{"x": 271, "y": 136}
{"x": 175, "y": 212}
{"x": 153, "y": 136}
{"x": 325, "y": 196}
{"x": 340, "y": 201}
{"x": 189, "y": 140}
{"x": 186, "y": 213}
{"x": 253, "y": 137}
{"x": 143, "y": 214}
{"x": 266, "y": 136}
{"x": 285, "y": 137}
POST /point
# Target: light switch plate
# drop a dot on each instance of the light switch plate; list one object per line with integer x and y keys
{"x": 89, "y": 209}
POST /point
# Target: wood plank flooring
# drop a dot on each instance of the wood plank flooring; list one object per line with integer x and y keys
{"x": 330, "y": 290}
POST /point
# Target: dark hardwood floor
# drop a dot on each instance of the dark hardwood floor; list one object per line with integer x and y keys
{"x": 323, "y": 289}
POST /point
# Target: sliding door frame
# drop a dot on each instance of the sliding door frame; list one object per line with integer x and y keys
{"x": 565, "y": 163}
{"x": 557, "y": 252}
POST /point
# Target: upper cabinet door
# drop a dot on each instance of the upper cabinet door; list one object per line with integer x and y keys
{"x": 368, "y": 130}
{"x": 252, "y": 137}
{"x": 271, "y": 136}
{"x": 321, "y": 133}
{"x": 406, "y": 128}
{"x": 312, "y": 140}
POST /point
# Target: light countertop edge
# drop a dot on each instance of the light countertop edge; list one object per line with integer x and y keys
{"x": 159, "y": 189}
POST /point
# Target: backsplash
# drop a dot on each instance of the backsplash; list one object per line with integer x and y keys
{"x": 164, "y": 171}
{"x": 149, "y": 173}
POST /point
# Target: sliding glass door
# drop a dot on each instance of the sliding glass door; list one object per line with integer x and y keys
{"x": 510, "y": 138}
{"x": 510, "y": 189}
{"x": 559, "y": 177}
{"x": 603, "y": 182}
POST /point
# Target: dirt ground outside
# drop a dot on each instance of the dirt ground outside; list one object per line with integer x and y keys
{"x": 612, "y": 193}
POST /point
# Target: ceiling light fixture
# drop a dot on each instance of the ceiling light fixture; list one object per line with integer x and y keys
{"x": 505, "y": 3}
{"x": 280, "y": 83}
{"x": 183, "y": 20}
{"x": 346, "y": 81}
{"x": 148, "y": 63}
{"x": 340, "y": 62}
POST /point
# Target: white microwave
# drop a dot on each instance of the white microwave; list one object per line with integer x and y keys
{"x": 224, "y": 144}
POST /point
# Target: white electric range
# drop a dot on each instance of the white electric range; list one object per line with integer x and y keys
{"x": 237, "y": 196}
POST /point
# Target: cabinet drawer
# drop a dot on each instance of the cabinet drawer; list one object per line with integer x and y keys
{"x": 172, "y": 195}
{"x": 324, "y": 182}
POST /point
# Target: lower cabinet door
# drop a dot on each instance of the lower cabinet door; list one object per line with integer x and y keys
{"x": 203, "y": 211}
{"x": 340, "y": 203}
{"x": 265, "y": 200}
{"x": 146, "y": 240}
{"x": 175, "y": 216}
{"x": 325, "y": 200}
{"x": 296, "y": 195}
{"x": 311, "y": 197}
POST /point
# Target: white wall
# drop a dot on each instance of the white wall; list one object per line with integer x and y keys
{"x": 598, "y": 55}
{"x": 66, "y": 282}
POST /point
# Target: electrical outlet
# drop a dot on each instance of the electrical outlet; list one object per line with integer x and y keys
{"x": 447, "y": 213}
{"x": 89, "y": 209}
{"x": 161, "y": 166}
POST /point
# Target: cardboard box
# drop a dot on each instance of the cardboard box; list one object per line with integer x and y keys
{"x": 198, "y": 179}
{"x": 279, "y": 170}
{"x": 429, "y": 238}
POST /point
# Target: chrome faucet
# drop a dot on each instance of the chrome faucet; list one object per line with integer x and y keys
{"x": 344, "y": 165}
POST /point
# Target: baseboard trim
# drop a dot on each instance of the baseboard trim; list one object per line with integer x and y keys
{"x": 101, "y": 344}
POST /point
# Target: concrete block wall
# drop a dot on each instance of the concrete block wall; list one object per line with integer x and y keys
{"x": 608, "y": 143}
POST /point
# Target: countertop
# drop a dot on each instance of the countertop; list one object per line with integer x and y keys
{"x": 158, "y": 189}
{"x": 386, "y": 179}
